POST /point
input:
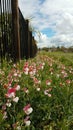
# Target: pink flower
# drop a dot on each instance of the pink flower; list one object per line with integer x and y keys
{"x": 4, "y": 115}
{"x": 48, "y": 82}
{"x": 27, "y": 121}
{"x": 4, "y": 107}
{"x": 10, "y": 93}
{"x": 26, "y": 68}
{"x": 15, "y": 74}
{"x": 28, "y": 109}
{"x": 11, "y": 90}
{"x": 17, "y": 87}
{"x": 16, "y": 99}
{"x": 32, "y": 70}
{"x": 41, "y": 66}
{"x": 14, "y": 125}
{"x": 26, "y": 90}
{"x": 63, "y": 71}
{"x": 49, "y": 95}
{"x": 68, "y": 81}
{"x": 36, "y": 81}
{"x": 46, "y": 92}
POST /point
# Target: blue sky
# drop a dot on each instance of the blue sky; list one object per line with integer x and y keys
{"x": 52, "y": 19}
{"x": 49, "y": 32}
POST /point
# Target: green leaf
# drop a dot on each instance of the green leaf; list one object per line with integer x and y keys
{"x": 1, "y": 117}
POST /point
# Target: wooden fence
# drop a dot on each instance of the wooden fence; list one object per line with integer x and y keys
{"x": 5, "y": 29}
{"x": 27, "y": 41}
{"x": 16, "y": 40}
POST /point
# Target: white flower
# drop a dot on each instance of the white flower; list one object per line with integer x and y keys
{"x": 16, "y": 99}
{"x": 19, "y": 75}
{"x": 51, "y": 73}
{"x": 11, "y": 95}
{"x": 29, "y": 111}
{"x": 8, "y": 104}
{"x": 18, "y": 128}
{"x": 5, "y": 115}
{"x": 58, "y": 75}
{"x": 49, "y": 95}
{"x": 45, "y": 92}
{"x": 26, "y": 70}
{"x": 17, "y": 87}
{"x": 38, "y": 89}
{"x": 15, "y": 74}
{"x": 27, "y": 123}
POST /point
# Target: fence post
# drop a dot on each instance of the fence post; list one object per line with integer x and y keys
{"x": 15, "y": 25}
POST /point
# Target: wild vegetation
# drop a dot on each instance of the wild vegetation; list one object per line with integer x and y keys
{"x": 37, "y": 94}
{"x": 56, "y": 49}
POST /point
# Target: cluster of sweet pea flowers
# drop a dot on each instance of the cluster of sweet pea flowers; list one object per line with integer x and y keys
{"x": 32, "y": 69}
{"x": 29, "y": 69}
{"x": 28, "y": 110}
{"x": 48, "y": 82}
{"x": 10, "y": 97}
{"x": 47, "y": 92}
{"x": 41, "y": 65}
{"x": 11, "y": 93}
{"x": 64, "y": 74}
{"x": 14, "y": 75}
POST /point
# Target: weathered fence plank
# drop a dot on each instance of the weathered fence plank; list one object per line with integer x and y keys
{"x": 15, "y": 24}
{"x": 16, "y": 40}
{"x": 5, "y": 28}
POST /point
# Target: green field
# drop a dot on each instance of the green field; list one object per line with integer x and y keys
{"x": 37, "y": 94}
{"x": 66, "y": 58}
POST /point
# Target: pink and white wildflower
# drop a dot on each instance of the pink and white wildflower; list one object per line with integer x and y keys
{"x": 27, "y": 121}
{"x": 28, "y": 109}
{"x": 15, "y": 74}
{"x": 48, "y": 82}
{"x": 36, "y": 81}
{"x": 32, "y": 70}
{"x": 10, "y": 93}
{"x": 17, "y": 87}
{"x": 68, "y": 81}
{"x": 46, "y": 92}
{"x": 26, "y": 68}
{"x": 5, "y": 115}
{"x": 4, "y": 107}
{"x": 26, "y": 90}
{"x": 16, "y": 99}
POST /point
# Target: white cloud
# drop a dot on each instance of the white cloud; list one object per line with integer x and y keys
{"x": 56, "y": 6}
{"x": 57, "y": 40}
{"x": 43, "y": 40}
{"x": 29, "y": 7}
{"x": 65, "y": 24}
{"x": 54, "y": 14}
